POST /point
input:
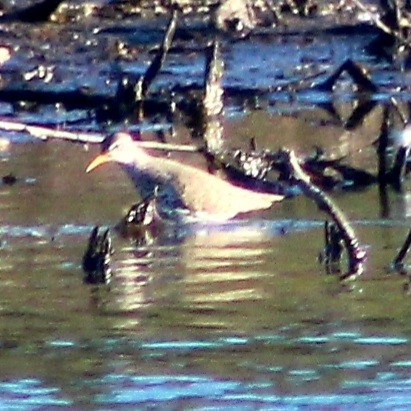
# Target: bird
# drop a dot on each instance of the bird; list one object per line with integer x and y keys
{"x": 182, "y": 191}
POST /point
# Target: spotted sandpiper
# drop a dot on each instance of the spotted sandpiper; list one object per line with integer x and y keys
{"x": 183, "y": 190}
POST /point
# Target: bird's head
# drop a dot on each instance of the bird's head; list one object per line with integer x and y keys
{"x": 120, "y": 148}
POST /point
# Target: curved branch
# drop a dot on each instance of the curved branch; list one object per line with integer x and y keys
{"x": 356, "y": 255}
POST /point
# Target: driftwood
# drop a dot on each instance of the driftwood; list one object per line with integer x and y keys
{"x": 45, "y": 133}
{"x": 356, "y": 255}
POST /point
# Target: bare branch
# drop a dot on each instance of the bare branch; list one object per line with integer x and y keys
{"x": 158, "y": 61}
{"x": 356, "y": 255}
{"x": 398, "y": 262}
{"x": 45, "y": 133}
{"x": 381, "y": 25}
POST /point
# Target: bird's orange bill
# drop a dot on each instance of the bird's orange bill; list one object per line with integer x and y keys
{"x": 100, "y": 159}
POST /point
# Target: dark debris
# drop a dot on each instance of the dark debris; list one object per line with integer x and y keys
{"x": 96, "y": 259}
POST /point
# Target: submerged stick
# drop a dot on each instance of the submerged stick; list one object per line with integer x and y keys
{"x": 333, "y": 246}
{"x": 356, "y": 255}
{"x": 401, "y": 114}
{"x": 96, "y": 259}
{"x": 398, "y": 262}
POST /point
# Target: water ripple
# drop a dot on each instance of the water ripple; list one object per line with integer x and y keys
{"x": 29, "y": 394}
{"x": 137, "y": 390}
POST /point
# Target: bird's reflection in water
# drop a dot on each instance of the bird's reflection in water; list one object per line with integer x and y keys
{"x": 225, "y": 265}
{"x": 140, "y": 262}
{"x": 185, "y": 263}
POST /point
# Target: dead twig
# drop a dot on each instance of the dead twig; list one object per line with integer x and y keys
{"x": 356, "y": 255}
{"x": 398, "y": 261}
{"x": 401, "y": 114}
{"x": 45, "y": 133}
{"x": 145, "y": 81}
{"x": 385, "y": 28}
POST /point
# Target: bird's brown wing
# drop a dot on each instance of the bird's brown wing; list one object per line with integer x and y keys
{"x": 204, "y": 192}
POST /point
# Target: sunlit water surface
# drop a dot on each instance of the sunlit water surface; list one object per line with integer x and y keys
{"x": 236, "y": 316}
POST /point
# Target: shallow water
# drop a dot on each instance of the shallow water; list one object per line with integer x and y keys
{"x": 233, "y": 316}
